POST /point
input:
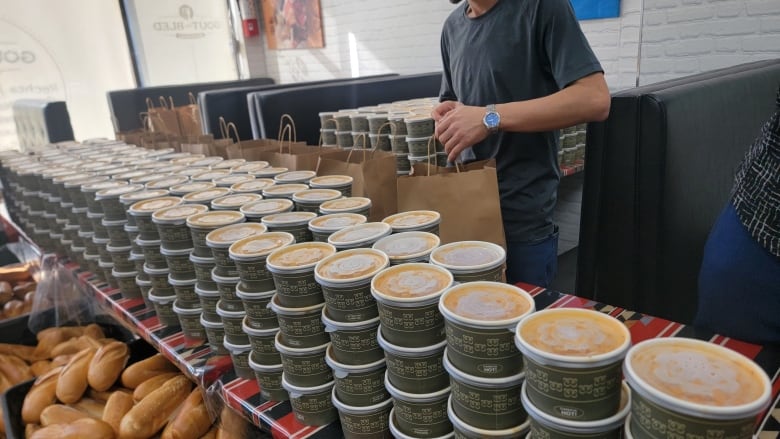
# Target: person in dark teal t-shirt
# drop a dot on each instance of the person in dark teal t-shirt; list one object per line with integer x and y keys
{"x": 515, "y": 71}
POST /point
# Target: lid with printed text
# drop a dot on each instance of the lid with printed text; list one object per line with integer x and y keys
{"x": 177, "y": 214}
{"x": 167, "y": 182}
{"x": 349, "y": 266}
{"x": 254, "y": 186}
{"x": 186, "y": 188}
{"x": 468, "y": 255}
{"x": 260, "y": 246}
{"x": 295, "y": 176}
{"x": 205, "y": 195}
{"x": 413, "y": 219}
{"x": 267, "y": 207}
{"x": 215, "y": 220}
{"x": 132, "y": 197}
{"x": 249, "y": 167}
{"x": 288, "y": 219}
{"x": 316, "y": 195}
{"x": 231, "y": 179}
{"x": 284, "y": 190}
{"x": 336, "y": 221}
{"x": 360, "y": 233}
{"x": 345, "y": 204}
{"x": 411, "y": 281}
{"x": 408, "y": 245}
{"x": 147, "y": 207}
{"x": 116, "y": 192}
{"x": 299, "y": 256}
{"x": 224, "y": 236}
{"x": 234, "y": 201}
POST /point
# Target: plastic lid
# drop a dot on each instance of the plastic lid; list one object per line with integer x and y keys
{"x": 117, "y": 191}
{"x": 487, "y": 302}
{"x": 348, "y": 203}
{"x": 269, "y": 172}
{"x": 413, "y": 219}
{"x": 205, "y": 195}
{"x": 468, "y": 255}
{"x": 142, "y": 195}
{"x": 232, "y": 179}
{"x": 177, "y": 213}
{"x": 149, "y": 206}
{"x": 192, "y": 187}
{"x": 225, "y": 236}
{"x": 210, "y": 175}
{"x": 257, "y": 185}
{"x": 228, "y": 164}
{"x": 71, "y": 177}
{"x": 288, "y": 218}
{"x": 351, "y": 265}
{"x": 208, "y": 161}
{"x": 166, "y": 182}
{"x": 95, "y": 187}
{"x": 336, "y": 221}
{"x": 260, "y": 245}
{"x": 250, "y": 167}
{"x": 284, "y": 190}
{"x": 299, "y": 256}
{"x": 267, "y": 207}
{"x": 327, "y": 181}
{"x": 82, "y": 181}
{"x": 412, "y": 281}
{"x": 235, "y": 200}
{"x": 186, "y": 159}
{"x": 408, "y": 245}
{"x": 131, "y": 174}
{"x": 316, "y": 195}
{"x": 294, "y": 176}
{"x": 418, "y": 118}
{"x": 359, "y": 233}
{"x": 214, "y": 220}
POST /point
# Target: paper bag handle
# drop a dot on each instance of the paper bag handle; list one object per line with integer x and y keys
{"x": 287, "y": 121}
{"x": 232, "y": 126}
{"x": 168, "y": 105}
{"x": 193, "y": 101}
{"x": 223, "y": 127}
{"x": 149, "y": 104}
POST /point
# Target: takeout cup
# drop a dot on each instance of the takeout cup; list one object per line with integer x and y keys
{"x": 301, "y": 327}
{"x": 398, "y": 434}
{"x": 471, "y": 261}
{"x": 258, "y": 312}
{"x": 292, "y": 269}
{"x": 256, "y": 210}
{"x": 239, "y": 354}
{"x": 208, "y": 302}
{"x": 364, "y": 421}
{"x": 215, "y": 334}
{"x": 583, "y": 350}
{"x": 359, "y": 236}
{"x": 324, "y": 226}
{"x": 189, "y": 320}
{"x": 202, "y": 224}
{"x": 481, "y": 314}
{"x": 415, "y": 370}
{"x": 127, "y": 285}
{"x": 269, "y": 379}
{"x": 220, "y": 240}
{"x": 249, "y": 256}
{"x": 163, "y": 307}
{"x": 304, "y": 367}
{"x": 310, "y": 200}
{"x": 172, "y": 226}
{"x": 311, "y": 406}
{"x": 341, "y": 183}
{"x": 467, "y": 431}
{"x": 185, "y": 292}
{"x": 415, "y": 221}
{"x": 358, "y": 384}
{"x": 159, "y": 279}
{"x": 203, "y": 268}
{"x": 353, "y": 343}
{"x": 120, "y": 256}
{"x": 294, "y": 223}
{"x": 151, "y": 251}
{"x": 408, "y": 247}
{"x": 263, "y": 342}
{"x": 421, "y": 414}
{"x": 233, "y": 321}
{"x": 178, "y": 262}
{"x": 142, "y": 212}
{"x": 359, "y": 205}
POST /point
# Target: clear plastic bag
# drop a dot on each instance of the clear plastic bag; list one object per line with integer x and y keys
{"x": 59, "y": 299}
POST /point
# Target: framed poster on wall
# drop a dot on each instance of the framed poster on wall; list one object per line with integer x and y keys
{"x": 594, "y": 9}
{"x": 293, "y": 24}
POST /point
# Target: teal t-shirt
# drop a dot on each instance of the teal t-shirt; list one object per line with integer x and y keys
{"x": 518, "y": 50}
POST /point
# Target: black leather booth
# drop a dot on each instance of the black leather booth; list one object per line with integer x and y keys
{"x": 125, "y": 105}
{"x": 304, "y": 103}
{"x": 659, "y": 170}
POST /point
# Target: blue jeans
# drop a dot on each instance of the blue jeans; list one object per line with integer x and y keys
{"x": 534, "y": 262}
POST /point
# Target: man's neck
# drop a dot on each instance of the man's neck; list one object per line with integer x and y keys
{"x": 479, "y": 7}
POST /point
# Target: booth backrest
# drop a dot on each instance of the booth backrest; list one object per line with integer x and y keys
{"x": 232, "y": 104}
{"x": 659, "y": 170}
{"x": 305, "y": 103}
{"x": 125, "y": 105}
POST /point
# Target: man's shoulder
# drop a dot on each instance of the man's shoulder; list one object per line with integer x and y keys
{"x": 456, "y": 15}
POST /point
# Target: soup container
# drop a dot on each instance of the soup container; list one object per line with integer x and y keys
{"x": 95, "y": 218}
{"x": 304, "y": 366}
{"x": 283, "y": 191}
{"x": 359, "y": 205}
{"x": 420, "y": 148}
{"x": 120, "y": 257}
{"x": 398, "y": 144}
{"x": 380, "y": 142}
{"x": 127, "y": 285}
{"x": 292, "y": 269}
{"x": 189, "y": 320}
{"x": 167, "y": 182}
{"x": 209, "y": 162}
{"x": 113, "y": 209}
{"x": 163, "y": 307}
{"x": 258, "y": 313}
{"x": 234, "y": 201}
{"x": 341, "y": 183}
{"x": 577, "y": 347}
{"x": 205, "y": 197}
{"x": 202, "y": 224}
{"x": 185, "y": 293}
{"x": 255, "y": 211}
{"x": 142, "y": 212}
{"x": 92, "y": 261}
{"x": 328, "y": 137}
{"x": 144, "y": 286}
{"x": 548, "y": 426}
{"x": 479, "y": 319}
{"x": 346, "y": 283}
{"x": 294, "y": 177}
{"x": 700, "y": 388}
{"x": 408, "y": 247}
{"x": 228, "y": 181}
{"x": 353, "y": 343}
{"x": 415, "y": 221}
{"x": 116, "y": 232}
{"x": 398, "y": 434}
{"x": 419, "y": 126}
{"x": 301, "y": 328}
{"x": 360, "y": 385}
{"x": 220, "y": 240}
{"x": 415, "y": 370}
{"x": 152, "y": 256}
{"x": 324, "y": 226}
{"x": 138, "y": 264}
{"x": 239, "y": 354}
{"x": 180, "y": 190}
{"x": 263, "y": 343}
{"x": 203, "y": 268}
{"x": 421, "y": 415}
{"x": 208, "y": 302}
{"x": 488, "y": 403}
{"x": 215, "y": 334}
{"x": 159, "y": 280}
{"x": 107, "y": 268}
{"x": 250, "y": 254}
{"x": 269, "y": 379}
{"x": 179, "y": 264}
{"x": 366, "y": 421}
{"x": 359, "y": 236}
{"x": 344, "y": 139}
{"x": 233, "y": 320}
{"x": 73, "y": 187}
{"x": 311, "y": 405}
{"x": 268, "y": 172}
{"x": 463, "y": 430}
{"x": 171, "y": 223}
{"x": 343, "y": 121}
{"x": 132, "y": 234}
{"x": 247, "y": 167}
{"x": 407, "y": 297}
{"x": 227, "y": 292}
{"x": 255, "y": 186}
{"x": 311, "y": 199}
{"x": 91, "y": 189}
{"x": 359, "y": 122}
{"x": 471, "y": 261}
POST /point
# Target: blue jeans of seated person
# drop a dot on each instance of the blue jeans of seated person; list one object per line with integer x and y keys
{"x": 739, "y": 284}
{"x": 534, "y": 262}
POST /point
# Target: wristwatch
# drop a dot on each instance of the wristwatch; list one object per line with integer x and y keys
{"x": 492, "y": 119}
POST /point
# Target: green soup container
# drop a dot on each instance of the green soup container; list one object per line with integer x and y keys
{"x": 355, "y": 342}
{"x": 233, "y": 321}
{"x": 180, "y": 190}
{"x": 544, "y": 425}
{"x": 358, "y": 205}
{"x": 488, "y": 403}
{"x": 215, "y": 335}
{"x": 202, "y": 224}
{"x": 229, "y": 180}
{"x": 163, "y": 307}
{"x": 359, "y": 385}
{"x": 126, "y": 282}
{"x": 178, "y": 262}
{"x": 234, "y": 202}
{"x": 304, "y": 367}
{"x": 309, "y": 200}
{"x": 398, "y": 434}
{"x": 239, "y": 353}
{"x": 415, "y": 370}
{"x": 359, "y": 236}
{"x": 258, "y": 312}
{"x": 311, "y": 406}
{"x": 144, "y": 286}
{"x": 480, "y": 319}
{"x": 250, "y": 254}
{"x": 172, "y": 226}
{"x": 301, "y": 327}
{"x": 203, "y": 268}
{"x": 256, "y": 211}
{"x": 364, "y": 422}
{"x": 132, "y": 235}
{"x": 573, "y": 360}
{"x": 159, "y": 279}
{"x": 208, "y": 302}
{"x": 464, "y": 430}
{"x": 408, "y": 247}
{"x": 324, "y": 226}
{"x": 471, "y": 261}
{"x": 346, "y": 283}
{"x": 220, "y": 240}
{"x": 97, "y": 224}
{"x": 90, "y": 191}
{"x": 294, "y": 223}
{"x": 189, "y": 320}
{"x": 292, "y": 270}
{"x": 255, "y": 186}
{"x": 421, "y": 415}
{"x": 263, "y": 343}
{"x": 131, "y": 198}
{"x": 269, "y": 379}
{"x": 227, "y": 292}
{"x": 152, "y": 256}
{"x": 283, "y": 190}
{"x": 415, "y": 221}
{"x": 185, "y": 292}
{"x": 407, "y": 297}
{"x": 142, "y": 212}
{"x": 108, "y": 268}
{"x": 341, "y": 183}
{"x": 113, "y": 209}
{"x": 120, "y": 256}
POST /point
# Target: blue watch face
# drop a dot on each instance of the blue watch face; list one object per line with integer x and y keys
{"x": 492, "y": 119}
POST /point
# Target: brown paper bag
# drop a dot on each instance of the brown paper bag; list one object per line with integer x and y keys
{"x": 250, "y": 150}
{"x": 374, "y": 174}
{"x": 163, "y": 119}
{"x": 291, "y": 154}
{"x": 189, "y": 118}
{"x": 466, "y": 197}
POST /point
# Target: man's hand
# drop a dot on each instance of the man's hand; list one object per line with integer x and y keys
{"x": 458, "y": 127}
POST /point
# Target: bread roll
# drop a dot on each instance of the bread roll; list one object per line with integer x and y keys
{"x": 30, "y": 429}
{"x": 22, "y": 288}
{"x": 40, "y": 367}
{"x": 137, "y": 373}
{"x": 73, "y": 379}
{"x": 107, "y": 365}
{"x": 2, "y": 422}
{"x": 60, "y": 414}
{"x": 26, "y": 353}
{"x": 17, "y": 272}
{"x": 192, "y": 421}
{"x": 15, "y": 369}
{"x": 94, "y": 330}
{"x": 61, "y": 360}
{"x": 103, "y": 396}
{"x": 151, "y": 414}
{"x": 13, "y": 308}
{"x": 6, "y": 293}
{"x": 5, "y": 383}
{"x": 117, "y": 406}
{"x": 91, "y": 407}
{"x": 75, "y": 345}
{"x": 41, "y": 395}
{"x": 80, "y": 429}
{"x": 151, "y": 385}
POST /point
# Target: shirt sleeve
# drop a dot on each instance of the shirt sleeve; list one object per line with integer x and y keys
{"x": 446, "y": 93}
{"x": 568, "y": 51}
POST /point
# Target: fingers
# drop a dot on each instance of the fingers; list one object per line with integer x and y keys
{"x": 440, "y": 110}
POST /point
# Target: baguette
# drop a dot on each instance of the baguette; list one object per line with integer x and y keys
{"x": 5, "y": 383}
{"x": 103, "y": 396}
{"x": 41, "y": 395}
{"x": 151, "y": 385}
{"x": 79, "y": 429}
{"x": 137, "y": 373}
{"x": 29, "y": 429}
{"x": 60, "y": 414}
{"x": 6, "y": 292}
{"x": 151, "y": 414}
{"x": 22, "y": 288}
{"x": 93, "y": 330}
{"x": 17, "y": 272}
{"x": 117, "y": 406}
{"x": 15, "y": 369}
{"x": 73, "y": 379}
{"x": 94, "y": 409}
{"x": 74, "y": 345}
{"x": 192, "y": 421}
{"x": 212, "y": 434}
{"x": 40, "y": 367}
{"x": 61, "y": 360}
{"x": 26, "y": 353}
{"x": 107, "y": 365}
